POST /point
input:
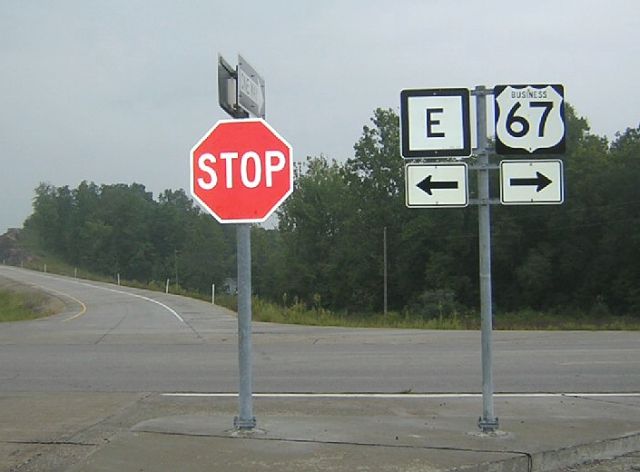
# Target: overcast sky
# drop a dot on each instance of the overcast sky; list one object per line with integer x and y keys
{"x": 119, "y": 91}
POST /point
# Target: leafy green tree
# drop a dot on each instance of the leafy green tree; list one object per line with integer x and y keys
{"x": 86, "y": 230}
{"x": 169, "y": 228}
{"x": 268, "y": 264}
{"x": 376, "y": 180}
{"x": 121, "y": 229}
{"x": 619, "y": 249}
{"x": 52, "y": 216}
{"x": 205, "y": 259}
{"x": 313, "y": 223}
{"x": 126, "y": 213}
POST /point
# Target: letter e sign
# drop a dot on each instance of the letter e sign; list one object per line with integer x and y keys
{"x": 435, "y": 123}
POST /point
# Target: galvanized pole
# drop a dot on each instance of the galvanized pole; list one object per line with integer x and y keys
{"x": 245, "y": 420}
{"x": 488, "y": 422}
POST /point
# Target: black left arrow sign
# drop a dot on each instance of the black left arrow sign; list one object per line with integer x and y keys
{"x": 540, "y": 180}
{"x": 428, "y": 185}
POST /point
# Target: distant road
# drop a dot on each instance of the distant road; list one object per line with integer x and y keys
{"x": 118, "y": 339}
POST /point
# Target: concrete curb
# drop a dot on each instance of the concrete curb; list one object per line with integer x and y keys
{"x": 547, "y": 461}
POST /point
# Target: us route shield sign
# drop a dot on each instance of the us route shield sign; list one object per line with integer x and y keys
{"x": 529, "y": 119}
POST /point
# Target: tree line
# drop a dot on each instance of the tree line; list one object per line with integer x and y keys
{"x": 122, "y": 229}
{"x": 327, "y": 248}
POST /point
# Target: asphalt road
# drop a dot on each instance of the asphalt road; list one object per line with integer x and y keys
{"x": 118, "y": 339}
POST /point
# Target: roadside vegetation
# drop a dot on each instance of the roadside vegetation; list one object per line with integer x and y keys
{"x": 19, "y": 302}
{"x": 17, "y": 307}
{"x": 569, "y": 266}
{"x": 13, "y": 307}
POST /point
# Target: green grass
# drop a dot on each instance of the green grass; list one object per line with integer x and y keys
{"x": 316, "y": 316}
{"x": 535, "y": 320}
{"x": 16, "y": 306}
{"x": 521, "y": 320}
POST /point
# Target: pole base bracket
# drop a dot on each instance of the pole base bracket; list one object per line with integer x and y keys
{"x": 488, "y": 425}
{"x": 244, "y": 424}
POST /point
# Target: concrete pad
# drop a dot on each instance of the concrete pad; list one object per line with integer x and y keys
{"x": 153, "y": 452}
{"x": 372, "y": 435}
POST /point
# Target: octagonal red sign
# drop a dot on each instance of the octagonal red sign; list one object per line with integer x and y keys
{"x": 241, "y": 171}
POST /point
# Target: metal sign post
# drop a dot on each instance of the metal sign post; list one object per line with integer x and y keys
{"x": 245, "y": 420}
{"x": 488, "y": 422}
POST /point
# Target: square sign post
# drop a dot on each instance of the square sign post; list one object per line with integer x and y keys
{"x": 488, "y": 422}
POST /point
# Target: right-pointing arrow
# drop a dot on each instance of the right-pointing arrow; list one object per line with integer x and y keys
{"x": 540, "y": 180}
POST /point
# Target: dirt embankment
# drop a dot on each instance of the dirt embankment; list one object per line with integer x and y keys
{"x": 11, "y": 252}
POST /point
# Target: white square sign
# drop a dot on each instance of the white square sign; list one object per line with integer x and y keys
{"x": 435, "y": 123}
{"x": 436, "y": 185}
{"x": 538, "y": 182}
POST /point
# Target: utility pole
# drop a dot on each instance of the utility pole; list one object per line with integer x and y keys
{"x": 384, "y": 238}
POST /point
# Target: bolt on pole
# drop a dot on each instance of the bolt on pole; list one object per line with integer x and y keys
{"x": 245, "y": 420}
{"x": 488, "y": 422}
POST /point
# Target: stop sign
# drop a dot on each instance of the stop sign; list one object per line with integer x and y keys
{"x": 241, "y": 171}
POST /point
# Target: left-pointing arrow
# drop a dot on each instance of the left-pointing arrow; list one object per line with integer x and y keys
{"x": 428, "y": 185}
{"x": 540, "y": 180}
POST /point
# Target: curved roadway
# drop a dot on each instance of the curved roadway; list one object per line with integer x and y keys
{"x": 118, "y": 339}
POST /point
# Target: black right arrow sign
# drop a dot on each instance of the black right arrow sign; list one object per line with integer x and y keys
{"x": 522, "y": 182}
{"x": 540, "y": 180}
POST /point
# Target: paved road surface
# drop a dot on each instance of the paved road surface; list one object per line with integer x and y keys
{"x": 86, "y": 391}
{"x": 117, "y": 339}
